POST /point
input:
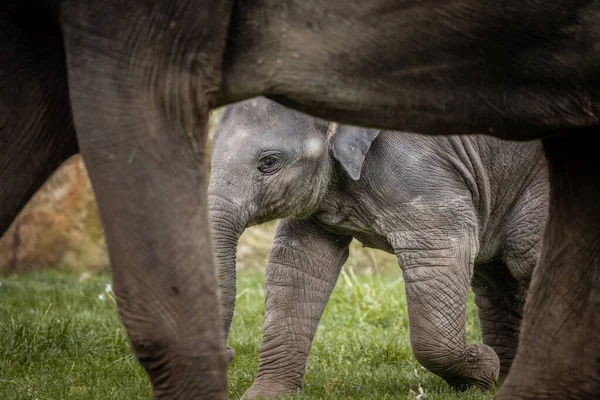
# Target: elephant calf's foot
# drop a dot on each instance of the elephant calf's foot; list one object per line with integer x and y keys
{"x": 269, "y": 390}
{"x": 479, "y": 366}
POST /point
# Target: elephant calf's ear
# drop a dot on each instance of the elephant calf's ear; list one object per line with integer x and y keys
{"x": 350, "y": 147}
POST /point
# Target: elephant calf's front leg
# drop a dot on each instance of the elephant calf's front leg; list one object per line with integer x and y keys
{"x": 437, "y": 271}
{"x": 304, "y": 264}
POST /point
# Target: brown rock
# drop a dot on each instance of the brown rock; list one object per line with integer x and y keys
{"x": 58, "y": 227}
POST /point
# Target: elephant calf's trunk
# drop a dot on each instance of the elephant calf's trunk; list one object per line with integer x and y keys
{"x": 226, "y": 231}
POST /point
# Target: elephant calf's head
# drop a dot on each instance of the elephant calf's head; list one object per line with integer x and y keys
{"x": 268, "y": 162}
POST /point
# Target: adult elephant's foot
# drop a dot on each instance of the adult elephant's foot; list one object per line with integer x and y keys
{"x": 477, "y": 365}
{"x": 558, "y": 356}
{"x": 545, "y": 391}
{"x": 265, "y": 389}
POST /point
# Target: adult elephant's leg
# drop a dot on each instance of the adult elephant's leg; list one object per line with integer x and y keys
{"x": 304, "y": 264}
{"x": 437, "y": 271}
{"x": 500, "y": 299}
{"x": 141, "y": 81}
{"x": 559, "y": 350}
{"x": 36, "y": 129}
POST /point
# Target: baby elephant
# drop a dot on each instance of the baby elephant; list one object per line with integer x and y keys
{"x": 455, "y": 210}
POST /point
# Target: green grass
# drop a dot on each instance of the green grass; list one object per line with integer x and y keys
{"x": 361, "y": 350}
{"x": 60, "y": 338}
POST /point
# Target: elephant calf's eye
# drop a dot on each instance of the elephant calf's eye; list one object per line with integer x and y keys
{"x": 268, "y": 164}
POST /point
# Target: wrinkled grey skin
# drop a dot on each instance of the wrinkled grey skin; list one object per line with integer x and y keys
{"x": 455, "y": 210}
{"x": 129, "y": 85}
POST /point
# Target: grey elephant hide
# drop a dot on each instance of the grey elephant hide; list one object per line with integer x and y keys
{"x": 455, "y": 210}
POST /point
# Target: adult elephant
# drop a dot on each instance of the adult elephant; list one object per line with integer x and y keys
{"x": 129, "y": 85}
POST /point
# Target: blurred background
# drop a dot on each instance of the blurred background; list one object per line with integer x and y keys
{"x": 60, "y": 228}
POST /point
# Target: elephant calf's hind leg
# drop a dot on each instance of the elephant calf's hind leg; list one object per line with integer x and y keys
{"x": 500, "y": 299}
